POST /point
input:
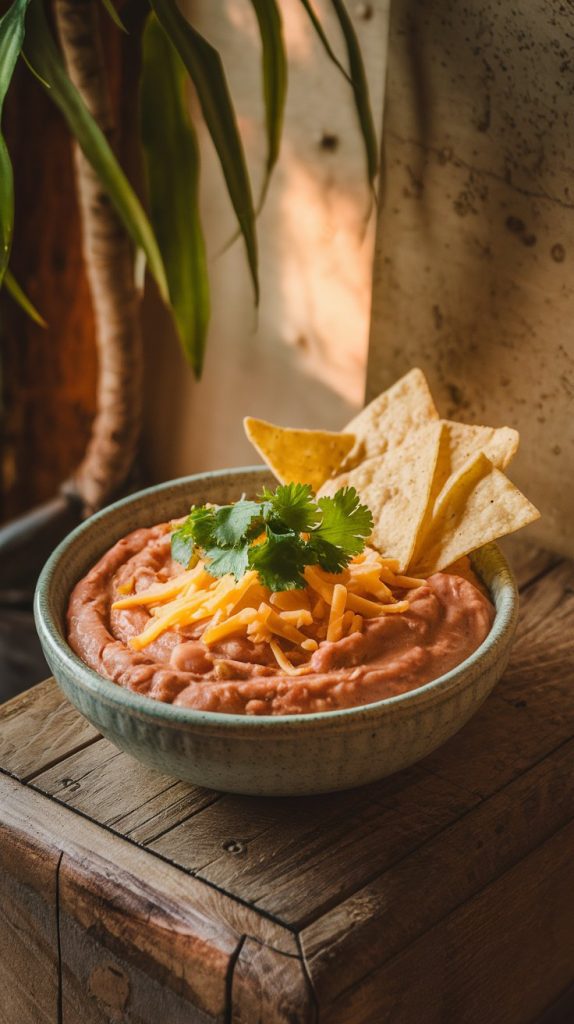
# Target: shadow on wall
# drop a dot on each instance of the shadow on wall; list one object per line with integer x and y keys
{"x": 473, "y": 268}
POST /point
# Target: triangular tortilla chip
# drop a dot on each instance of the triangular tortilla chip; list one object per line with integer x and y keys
{"x": 391, "y": 418}
{"x": 459, "y": 446}
{"x": 298, "y": 456}
{"x": 461, "y": 442}
{"x": 396, "y": 487}
{"x": 480, "y": 506}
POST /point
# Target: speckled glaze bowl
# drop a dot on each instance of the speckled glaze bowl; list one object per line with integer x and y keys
{"x": 260, "y": 755}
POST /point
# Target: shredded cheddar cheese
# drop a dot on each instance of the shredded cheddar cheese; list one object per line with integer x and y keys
{"x": 332, "y": 606}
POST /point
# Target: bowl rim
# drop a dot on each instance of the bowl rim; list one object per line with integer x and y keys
{"x": 166, "y": 714}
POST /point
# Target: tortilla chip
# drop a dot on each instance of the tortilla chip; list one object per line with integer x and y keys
{"x": 396, "y": 487}
{"x": 391, "y": 418}
{"x": 459, "y": 446}
{"x": 298, "y": 456}
{"x": 480, "y": 505}
{"x": 461, "y": 442}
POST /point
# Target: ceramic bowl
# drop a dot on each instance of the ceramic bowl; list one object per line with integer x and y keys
{"x": 284, "y": 755}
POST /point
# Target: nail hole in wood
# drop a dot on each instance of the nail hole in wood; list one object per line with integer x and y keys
{"x": 233, "y": 846}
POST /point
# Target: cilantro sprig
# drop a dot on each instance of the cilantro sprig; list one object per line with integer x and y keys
{"x": 277, "y": 535}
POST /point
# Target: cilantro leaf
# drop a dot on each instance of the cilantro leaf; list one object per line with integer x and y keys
{"x": 293, "y": 506}
{"x": 232, "y": 522}
{"x": 299, "y": 530}
{"x": 280, "y": 560}
{"x": 330, "y": 557}
{"x": 196, "y": 531}
{"x": 220, "y": 561}
{"x": 346, "y": 523}
{"x": 182, "y": 546}
{"x": 201, "y": 523}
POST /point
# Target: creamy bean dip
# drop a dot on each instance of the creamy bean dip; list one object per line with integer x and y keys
{"x": 448, "y": 617}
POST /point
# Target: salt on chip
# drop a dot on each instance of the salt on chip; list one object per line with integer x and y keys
{"x": 298, "y": 456}
{"x": 390, "y": 419}
{"x": 480, "y": 505}
{"x": 396, "y": 487}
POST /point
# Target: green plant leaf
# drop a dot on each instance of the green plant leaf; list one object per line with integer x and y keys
{"x": 360, "y": 89}
{"x": 6, "y": 207}
{"x": 11, "y": 39}
{"x": 171, "y": 158}
{"x": 323, "y": 38}
{"x": 205, "y": 68}
{"x": 274, "y": 67}
{"x": 44, "y": 56}
{"x": 19, "y": 295}
{"x": 110, "y": 8}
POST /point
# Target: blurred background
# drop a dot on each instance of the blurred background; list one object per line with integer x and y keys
{"x": 299, "y": 360}
{"x": 463, "y": 267}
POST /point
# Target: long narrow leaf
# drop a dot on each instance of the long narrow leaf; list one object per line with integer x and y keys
{"x": 274, "y": 66}
{"x": 43, "y": 54}
{"x": 110, "y": 8}
{"x": 172, "y": 167}
{"x": 11, "y": 285}
{"x": 11, "y": 39}
{"x": 360, "y": 88}
{"x": 205, "y": 68}
{"x": 6, "y": 207}
{"x": 323, "y": 38}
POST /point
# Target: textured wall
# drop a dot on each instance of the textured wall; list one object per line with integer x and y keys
{"x": 475, "y": 242}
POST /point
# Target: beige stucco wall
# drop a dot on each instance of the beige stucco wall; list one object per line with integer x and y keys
{"x": 474, "y": 272}
{"x": 301, "y": 359}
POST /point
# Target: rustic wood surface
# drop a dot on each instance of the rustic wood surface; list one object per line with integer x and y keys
{"x": 442, "y": 894}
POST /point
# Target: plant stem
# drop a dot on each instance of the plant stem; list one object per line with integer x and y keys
{"x": 108, "y": 257}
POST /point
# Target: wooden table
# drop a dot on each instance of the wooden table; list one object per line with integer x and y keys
{"x": 443, "y": 894}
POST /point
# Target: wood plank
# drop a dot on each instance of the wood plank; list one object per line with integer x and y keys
{"x": 270, "y": 988}
{"x": 38, "y": 728}
{"x": 384, "y": 917}
{"x": 29, "y": 969}
{"x": 502, "y": 957}
{"x": 26, "y": 812}
{"x": 309, "y": 860}
{"x": 100, "y": 987}
{"x": 142, "y": 910}
{"x": 116, "y": 790}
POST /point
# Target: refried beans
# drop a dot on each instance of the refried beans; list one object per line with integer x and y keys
{"x": 448, "y": 618}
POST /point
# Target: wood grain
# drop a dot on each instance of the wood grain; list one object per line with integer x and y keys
{"x": 37, "y": 728}
{"x": 270, "y": 988}
{"x": 29, "y": 969}
{"x": 149, "y": 925}
{"x": 296, "y": 858}
{"x": 389, "y": 914}
{"x": 501, "y": 957}
{"x": 118, "y": 791}
{"x": 133, "y": 905}
{"x": 99, "y": 987}
{"x": 91, "y": 847}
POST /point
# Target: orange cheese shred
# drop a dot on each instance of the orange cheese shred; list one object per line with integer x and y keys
{"x": 330, "y": 607}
